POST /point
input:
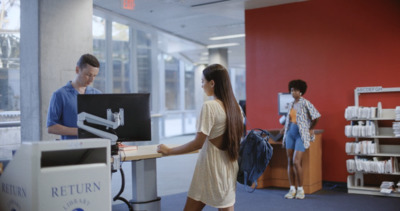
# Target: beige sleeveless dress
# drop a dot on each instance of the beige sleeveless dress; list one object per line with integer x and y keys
{"x": 214, "y": 178}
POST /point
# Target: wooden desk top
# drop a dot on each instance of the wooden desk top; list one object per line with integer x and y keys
{"x": 150, "y": 151}
{"x": 143, "y": 152}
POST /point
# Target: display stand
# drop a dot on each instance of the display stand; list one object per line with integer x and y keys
{"x": 58, "y": 175}
{"x": 379, "y": 152}
{"x": 144, "y": 176}
{"x": 144, "y": 188}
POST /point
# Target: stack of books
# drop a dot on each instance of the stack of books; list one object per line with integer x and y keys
{"x": 361, "y": 147}
{"x": 387, "y": 187}
{"x": 397, "y": 112}
{"x": 390, "y": 166}
{"x": 396, "y": 129}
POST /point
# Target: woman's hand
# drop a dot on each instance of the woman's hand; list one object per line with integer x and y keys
{"x": 282, "y": 131}
{"x": 163, "y": 149}
{"x": 311, "y": 132}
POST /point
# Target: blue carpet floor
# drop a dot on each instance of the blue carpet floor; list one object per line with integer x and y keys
{"x": 272, "y": 199}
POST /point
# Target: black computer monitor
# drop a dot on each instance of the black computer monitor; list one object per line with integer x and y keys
{"x": 137, "y": 120}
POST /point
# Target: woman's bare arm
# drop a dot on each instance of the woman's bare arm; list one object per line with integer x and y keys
{"x": 191, "y": 146}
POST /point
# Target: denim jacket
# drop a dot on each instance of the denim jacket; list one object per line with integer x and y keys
{"x": 304, "y": 116}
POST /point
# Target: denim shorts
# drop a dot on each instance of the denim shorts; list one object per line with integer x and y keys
{"x": 293, "y": 138}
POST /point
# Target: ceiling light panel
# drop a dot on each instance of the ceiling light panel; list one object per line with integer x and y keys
{"x": 227, "y": 37}
{"x": 222, "y": 45}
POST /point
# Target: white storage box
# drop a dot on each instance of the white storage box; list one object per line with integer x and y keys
{"x": 58, "y": 175}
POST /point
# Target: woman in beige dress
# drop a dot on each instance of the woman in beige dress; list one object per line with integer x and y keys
{"x": 219, "y": 130}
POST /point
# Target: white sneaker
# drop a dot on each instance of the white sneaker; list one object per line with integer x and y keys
{"x": 300, "y": 194}
{"x": 290, "y": 194}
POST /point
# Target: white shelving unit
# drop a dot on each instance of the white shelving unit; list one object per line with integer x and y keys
{"x": 355, "y": 181}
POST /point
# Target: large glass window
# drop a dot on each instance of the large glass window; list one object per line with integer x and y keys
{"x": 143, "y": 55}
{"x": 120, "y": 58}
{"x": 129, "y": 64}
{"x": 190, "y": 100}
{"x": 99, "y": 50}
{"x": 190, "y": 122}
{"x": 173, "y": 124}
{"x": 171, "y": 82}
{"x": 9, "y": 60}
{"x": 189, "y": 88}
{"x": 240, "y": 84}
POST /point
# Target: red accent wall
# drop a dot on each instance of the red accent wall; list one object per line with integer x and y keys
{"x": 335, "y": 46}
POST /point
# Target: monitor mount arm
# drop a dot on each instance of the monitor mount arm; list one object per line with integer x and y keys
{"x": 114, "y": 120}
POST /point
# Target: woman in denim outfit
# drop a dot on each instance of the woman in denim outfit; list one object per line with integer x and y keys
{"x": 298, "y": 132}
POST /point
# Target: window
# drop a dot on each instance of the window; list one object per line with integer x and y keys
{"x": 143, "y": 55}
{"x": 99, "y": 50}
{"x": 120, "y": 58}
{"x": 171, "y": 83}
{"x": 136, "y": 58}
{"x": 240, "y": 84}
{"x": 189, "y": 88}
{"x": 9, "y": 61}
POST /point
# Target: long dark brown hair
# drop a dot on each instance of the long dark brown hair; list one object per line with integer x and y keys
{"x": 234, "y": 120}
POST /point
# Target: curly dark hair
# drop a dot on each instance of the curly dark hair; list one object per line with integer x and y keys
{"x": 299, "y": 85}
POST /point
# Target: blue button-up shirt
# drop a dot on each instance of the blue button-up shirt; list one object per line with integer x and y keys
{"x": 63, "y": 108}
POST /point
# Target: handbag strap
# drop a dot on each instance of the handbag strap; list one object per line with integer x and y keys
{"x": 262, "y": 131}
{"x": 247, "y": 187}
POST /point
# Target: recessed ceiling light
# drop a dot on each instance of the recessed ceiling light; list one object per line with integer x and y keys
{"x": 227, "y": 37}
{"x": 222, "y": 45}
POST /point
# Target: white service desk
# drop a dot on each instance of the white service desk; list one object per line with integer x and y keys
{"x": 144, "y": 177}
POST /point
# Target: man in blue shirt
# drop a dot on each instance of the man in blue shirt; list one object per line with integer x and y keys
{"x": 62, "y": 114}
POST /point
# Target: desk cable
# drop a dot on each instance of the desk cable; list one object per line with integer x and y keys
{"x": 124, "y": 157}
{"x": 118, "y": 196}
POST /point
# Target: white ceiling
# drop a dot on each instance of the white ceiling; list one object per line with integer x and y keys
{"x": 196, "y": 21}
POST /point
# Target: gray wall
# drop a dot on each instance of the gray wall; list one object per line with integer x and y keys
{"x": 54, "y": 34}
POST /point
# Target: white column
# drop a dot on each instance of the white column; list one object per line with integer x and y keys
{"x": 218, "y": 55}
{"x": 54, "y": 34}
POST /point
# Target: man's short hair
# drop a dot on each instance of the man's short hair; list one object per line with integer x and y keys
{"x": 87, "y": 59}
